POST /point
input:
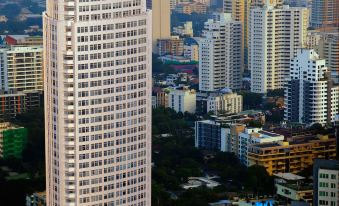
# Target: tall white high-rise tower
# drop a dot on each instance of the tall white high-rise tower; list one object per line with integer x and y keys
{"x": 98, "y": 102}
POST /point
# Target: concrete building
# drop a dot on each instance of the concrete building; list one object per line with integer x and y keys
{"x": 310, "y": 96}
{"x": 292, "y": 189}
{"x": 161, "y": 97}
{"x": 98, "y": 136}
{"x": 273, "y": 41}
{"x": 240, "y": 10}
{"x": 291, "y": 156}
{"x": 13, "y": 140}
{"x": 184, "y": 31}
{"x": 21, "y": 68}
{"x": 230, "y": 138}
{"x": 13, "y": 103}
{"x": 326, "y": 182}
{"x": 36, "y": 199}
{"x": 161, "y": 15}
{"x": 224, "y": 103}
{"x": 324, "y": 14}
{"x": 191, "y": 7}
{"x": 254, "y": 136}
{"x": 208, "y": 135}
{"x": 192, "y": 52}
{"x": 220, "y": 54}
{"x": 182, "y": 100}
{"x": 172, "y": 46}
{"x": 328, "y": 48}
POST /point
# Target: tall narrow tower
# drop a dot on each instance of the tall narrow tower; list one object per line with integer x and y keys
{"x": 98, "y": 102}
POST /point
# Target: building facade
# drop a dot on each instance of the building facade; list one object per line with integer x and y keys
{"x": 224, "y": 103}
{"x": 291, "y": 156}
{"x": 208, "y": 135}
{"x": 173, "y": 46}
{"x": 182, "y": 100}
{"x": 161, "y": 15}
{"x": 21, "y": 68}
{"x": 192, "y": 52}
{"x": 254, "y": 136}
{"x": 324, "y": 14}
{"x": 310, "y": 95}
{"x": 326, "y": 182}
{"x": 98, "y": 102}
{"x": 13, "y": 140}
{"x": 275, "y": 34}
{"x": 220, "y": 54}
{"x": 14, "y": 103}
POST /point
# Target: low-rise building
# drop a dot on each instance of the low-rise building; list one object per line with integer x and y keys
{"x": 223, "y": 102}
{"x": 12, "y": 140}
{"x": 326, "y": 182}
{"x": 291, "y": 156}
{"x": 208, "y": 135}
{"x": 36, "y": 199}
{"x": 185, "y": 31}
{"x": 173, "y": 46}
{"x": 195, "y": 182}
{"x": 254, "y": 136}
{"x": 182, "y": 100}
{"x": 293, "y": 188}
{"x": 14, "y": 103}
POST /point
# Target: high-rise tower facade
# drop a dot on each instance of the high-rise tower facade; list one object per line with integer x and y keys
{"x": 275, "y": 34}
{"x": 220, "y": 54}
{"x": 97, "y": 56}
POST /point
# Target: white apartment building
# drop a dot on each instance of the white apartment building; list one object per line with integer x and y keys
{"x": 21, "y": 68}
{"x": 254, "y": 136}
{"x": 275, "y": 34}
{"x": 98, "y": 102}
{"x": 308, "y": 90}
{"x": 224, "y": 103}
{"x": 182, "y": 100}
{"x": 220, "y": 57}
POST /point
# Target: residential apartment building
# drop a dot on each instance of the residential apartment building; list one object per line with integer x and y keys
{"x": 230, "y": 137}
{"x": 208, "y": 135}
{"x": 254, "y": 136}
{"x": 191, "y": 52}
{"x": 293, "y": 189}
{"x": 161, "y": 97}
{"x": 328, "y": 48}
{"x": 240, "y": 10}
{"x": 13, "y": 140}
{"x": 98, "y": 87}
{"x": 310, "y": 95}
{"x": 173, "y": 46}
{"x": 291, "y": 156}
{"x": 220, "y": 54}
{"x": 273, "y": 41}
{"x": 185, "y": 30}
{"x": 21, "y": 68}
{"x": 326, "y": 182}
{"x": 13, "y": 103}
{"x": 191, "y": 7}
{"x": 161, "y": 25}
{"x": 182, "y": 100}
{"x": 222, "y": 102}
{"x": 324, "y": 14}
